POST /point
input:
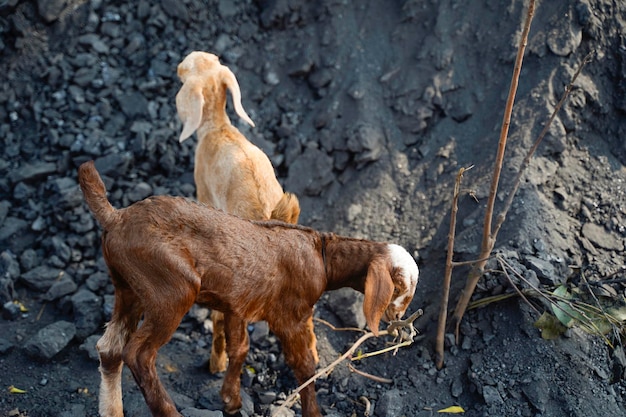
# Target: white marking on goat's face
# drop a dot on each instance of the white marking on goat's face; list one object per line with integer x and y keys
{"x": 405, "y": 275}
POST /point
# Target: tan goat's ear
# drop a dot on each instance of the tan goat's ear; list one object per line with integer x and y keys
{"x": 231, "y": 82}
{"x": 189, "y": 104}
{"x": 378, "y": 293}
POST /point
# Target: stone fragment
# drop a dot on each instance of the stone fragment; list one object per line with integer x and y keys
{"x": 41, "y": 278}
{"x": 319, "y": 168}
{"x": 87, "y": 308}
{"x": 390, "y": 404}
{"x": 602, "y": 238}
{"x": 33, "y": 172}
{"x": 51, "y": 10}
{"x": 347, "y": 304}
{"x": 50, "y": 340}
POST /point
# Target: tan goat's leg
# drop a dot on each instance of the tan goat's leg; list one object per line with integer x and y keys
{"x": 237, "y": 345}
{"x": 218, "y": 359}
{"x": 299, "y": 355}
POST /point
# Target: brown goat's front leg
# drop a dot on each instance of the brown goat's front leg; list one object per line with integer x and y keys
{"x": 218, "y": 359}
{"x": 301, "y": 355}
{"x": 237, "y": 346}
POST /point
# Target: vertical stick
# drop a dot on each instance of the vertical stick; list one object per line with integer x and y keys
{"x": 488, "y": 239}
{"x": 443, "y": 308}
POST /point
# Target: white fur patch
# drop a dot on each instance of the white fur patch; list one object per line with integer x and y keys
{"x": 400, "y": 258}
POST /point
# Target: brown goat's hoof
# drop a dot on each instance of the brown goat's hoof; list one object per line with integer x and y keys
{"x": 231, "y": 407}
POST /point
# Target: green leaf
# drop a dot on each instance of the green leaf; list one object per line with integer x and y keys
{"x": 550, "y": 326}
{"x": 562, "y": 310}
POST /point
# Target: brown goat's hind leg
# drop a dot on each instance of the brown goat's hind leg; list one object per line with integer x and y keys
{"x": 218, "y": 360}
{"x": 110, "y": 351}
{"x": 126, "y": 314}
{"x": 237, "y": 345}
{"x": 140, "y": 356}
{"x": 301, "y": 355}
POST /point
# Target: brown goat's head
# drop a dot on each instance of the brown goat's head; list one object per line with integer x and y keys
{"x": 198, "y": 72}
{"x": 389, "y": 287}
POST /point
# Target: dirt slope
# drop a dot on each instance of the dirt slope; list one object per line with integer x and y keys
{"x": 367, "y": 110}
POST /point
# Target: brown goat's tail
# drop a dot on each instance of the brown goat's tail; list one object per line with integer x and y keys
{"x": 96, "y": 194}
{"x": 287, "y": 209}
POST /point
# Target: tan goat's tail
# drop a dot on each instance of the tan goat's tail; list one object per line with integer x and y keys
{"x": 96, "y": 194}
{"x": 287, "y": 209}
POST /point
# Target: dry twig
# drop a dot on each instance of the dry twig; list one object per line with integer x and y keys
{"x": 400, "y": 328}
{"x": 447, "y": 278}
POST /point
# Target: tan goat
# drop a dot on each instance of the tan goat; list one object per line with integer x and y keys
{"x": 230, "y": 172}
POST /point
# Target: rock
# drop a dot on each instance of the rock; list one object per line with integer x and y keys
{"x": 139, "y": 191}
{"x": 5, "y": 346}
{"x": 538, "y": 393}
{"x": 50, "y": 340}
{"x": 29, "y": 259}
{"x": 211, "y": 399}
{"x": 6, "y": 289}
{"x": 133, "y": 104}
{"x": 95, "y": 42}
{"x": 61, "y": 249}
{"x": 9, "y": 266}
{"x": 491, "y": 395}
{"x": 33, "y": 172}
{"x": 260, "y": 332}
{"x": 4, "y": 210}
{"x": 97, "y": 281}
{"x": 390, "y": 404}
{"x": 564, "y": 37}
{"x": 175, "y": 9}
{"x": 89, "y": 346}
{"x": 12, "y": 234}
{"x": 320, "y": 168}
{"x": 195, "y": 412}
{"x": 267, "y": 397}
{"x": 41, "y": 278}
{"x": 61, "y": 288}
{"x": 347, "y": 304}
{"x": 600, "y": 237}
{"x": 367, "y": 142}
{"x": 50, "y": 10}
{"x": 546, "y": 272}
{"x": 74, "y": 410}
{"x": 115, "y": 164}
{"x": 283, "y": 413}
{"x": 10, "y": 310}
{"x": 87, "y": 308}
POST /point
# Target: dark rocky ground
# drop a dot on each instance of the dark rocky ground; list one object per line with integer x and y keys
{"x": 367, "y": 110}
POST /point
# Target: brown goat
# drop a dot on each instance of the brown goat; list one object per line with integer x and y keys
{"x": 230, "y": 172}
{"x": 166, "y": 253}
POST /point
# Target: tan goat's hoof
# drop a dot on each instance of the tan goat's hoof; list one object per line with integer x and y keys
{"x": 218, "y": 364}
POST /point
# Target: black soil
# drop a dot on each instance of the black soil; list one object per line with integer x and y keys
{"x": 367, "y": 109}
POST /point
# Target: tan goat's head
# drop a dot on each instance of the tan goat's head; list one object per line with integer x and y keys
{"x": 198, "y": 72}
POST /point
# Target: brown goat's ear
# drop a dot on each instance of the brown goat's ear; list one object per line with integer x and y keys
{"x": 228, "y": 78}
{"x": 189, "y": 103}
{"x": 378, "y": 293}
